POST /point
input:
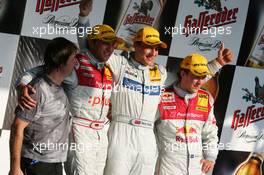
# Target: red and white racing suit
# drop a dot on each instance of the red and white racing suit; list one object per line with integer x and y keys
{"x": 135, "y": 97}
{"x": 186, "y": 131}
{"x": 90, "y": 101}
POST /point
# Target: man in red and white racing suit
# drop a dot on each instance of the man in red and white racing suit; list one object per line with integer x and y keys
{"x": 187, "y": 131}
{"x": 89, "y": 90}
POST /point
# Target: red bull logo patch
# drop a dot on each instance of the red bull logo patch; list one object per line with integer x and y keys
{"x": 187, "y": 130}
{"x": 168, "y": 97}
{"x": 186, "y": 134}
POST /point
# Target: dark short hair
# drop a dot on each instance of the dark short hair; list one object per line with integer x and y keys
{"x": 58, "y": 52}
{"x": 179, "y": 73}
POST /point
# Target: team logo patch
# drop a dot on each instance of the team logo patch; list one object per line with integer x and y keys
{"x": 186, "y": 134}
{"x": 168, "y": 97}
{"x": 202, "y": 100}
{"x": 154, "y": 74}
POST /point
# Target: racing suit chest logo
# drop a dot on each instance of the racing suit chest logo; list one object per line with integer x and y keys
{"x": 173, "y": 107}
{"x": 102, "y": 101}
{"x": 187, "y": 134}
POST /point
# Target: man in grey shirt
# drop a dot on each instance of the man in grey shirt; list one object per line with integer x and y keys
{"x": 39, "y": 137}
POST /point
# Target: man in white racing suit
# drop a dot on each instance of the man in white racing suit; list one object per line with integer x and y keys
{"x": 186, "y": 129}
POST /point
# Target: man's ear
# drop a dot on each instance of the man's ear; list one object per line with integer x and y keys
{"x": 91, "y": 44}
{"x": 182, "y": 73}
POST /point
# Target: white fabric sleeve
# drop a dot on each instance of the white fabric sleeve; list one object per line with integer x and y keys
{"x": 210, "y": 138}
{"x": 214, "y": 66}
{"x": 29, "y": 75}
{"x": 83, "y": 30}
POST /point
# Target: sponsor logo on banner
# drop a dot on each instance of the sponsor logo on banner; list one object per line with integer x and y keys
{"x": 142, "y": 14}
{"x": 195, "y": 25}
{"x": 205, "y": 44}
{"x": 138, "y": 14}
{"x": 253, "y": 113}
{"x": 244, "y": 117}
{"x": 251, "y": 136}
{"x": 54, "y": 5}
{"x": 65, "y": 21}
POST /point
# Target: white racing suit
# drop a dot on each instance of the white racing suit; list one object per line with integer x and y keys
{"x": 135, "y": 97}
{"x": 89, "y": 90}
{"x": 186, "y": 130}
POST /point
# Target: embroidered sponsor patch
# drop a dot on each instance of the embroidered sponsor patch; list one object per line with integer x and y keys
{"x": 202, "y": 100}
{"x": 168, "y": 97}
{"x": 199, "y": 108}
{"x": 169, "y": 107}
{"x": 154, "y": 74}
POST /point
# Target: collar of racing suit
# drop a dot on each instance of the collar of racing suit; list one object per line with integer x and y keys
{"x": 94, "y": 61}
{"x": 182, "y": 93}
